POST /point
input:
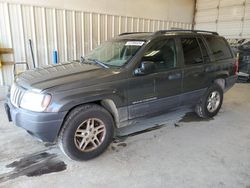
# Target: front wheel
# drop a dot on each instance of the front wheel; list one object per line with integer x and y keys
{"x": 210, "y": 103}
{"x": 87, "y": 132}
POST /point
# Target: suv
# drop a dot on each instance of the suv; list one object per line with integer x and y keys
{"x": 242, "y": 48}
{"x": 81, "y": 105}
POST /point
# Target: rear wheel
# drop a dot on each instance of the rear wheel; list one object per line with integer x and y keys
{"x": 210, "y": 103}
{"x": 87, "y": 132}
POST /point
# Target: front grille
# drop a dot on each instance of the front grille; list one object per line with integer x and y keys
{"x": 16, "y": 95}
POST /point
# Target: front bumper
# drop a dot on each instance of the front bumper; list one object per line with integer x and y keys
{"x": 43, "y": 125}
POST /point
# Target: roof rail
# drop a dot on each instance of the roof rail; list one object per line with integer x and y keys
{"x": 128, "y": 33}
{"x": 184, "y": 30}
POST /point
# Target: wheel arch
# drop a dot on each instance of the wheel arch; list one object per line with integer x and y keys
{"x": 221, "y": 82}
{"x": 107, "y": 104}
{"x": 110, "y": 106}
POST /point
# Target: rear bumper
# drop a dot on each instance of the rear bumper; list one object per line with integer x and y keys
{"x": 43, "y": 125}
{"x": 230, "y": 81}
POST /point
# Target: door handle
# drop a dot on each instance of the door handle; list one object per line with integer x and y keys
{"x": 174, "y": 76}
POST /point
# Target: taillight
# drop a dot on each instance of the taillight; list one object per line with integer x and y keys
{"x": 236, "y": 66}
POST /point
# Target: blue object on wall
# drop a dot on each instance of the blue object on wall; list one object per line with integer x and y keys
{"x": 55, "y": 57}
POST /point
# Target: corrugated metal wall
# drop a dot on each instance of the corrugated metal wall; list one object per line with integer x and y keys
{"x": 230, "y": 18}
{"x": 71, "y": 33}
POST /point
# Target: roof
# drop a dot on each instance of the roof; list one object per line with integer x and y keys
{"x": 136, "y": 36}
{"x": 149, "y": 35}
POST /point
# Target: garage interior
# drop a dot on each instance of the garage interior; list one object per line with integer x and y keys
{"x": 182, "y": 150}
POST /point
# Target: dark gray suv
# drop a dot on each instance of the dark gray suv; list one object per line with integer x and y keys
{"x": 81, "y": 105}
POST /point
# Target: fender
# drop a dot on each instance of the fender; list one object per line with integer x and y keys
{"x": 112, "y": 100}
{"x": 220, "y": 79}
{"x": 119, "y": 114}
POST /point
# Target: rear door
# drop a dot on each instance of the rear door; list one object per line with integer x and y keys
{"x": 194, "y": 77}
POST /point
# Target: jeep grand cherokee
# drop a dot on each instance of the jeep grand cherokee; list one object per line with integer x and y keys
{"x": 80, "y": 105}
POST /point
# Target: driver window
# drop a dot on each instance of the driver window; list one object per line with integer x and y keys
{"x": 163, "y": 54}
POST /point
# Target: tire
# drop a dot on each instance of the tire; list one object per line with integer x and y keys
{"x": 87, "y": 132}
{"x": 203, "y": 109}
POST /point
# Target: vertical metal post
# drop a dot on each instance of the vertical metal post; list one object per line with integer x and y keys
{"x": 120, "y": 25}
{"x": 217, "y": 19}
{"x": 126, "y": 24}
{"x": 98, "y": 29}
{"x": 74, "y": 35}
{"x": 194, "y": 13}
{"x": 143, "y": 24}
{"x": 45, "y": 36}
{"x": 22, "y": 31}
{"x": 137, "y": 24}
{"x": 55, "y": 29}
{"x": 33, "y": 27}
{"x": 91, "y": 30}
{"x": 106, "y": 27}
{"x": 113, "y": 26}
{"x": 243, "y": 18}
{"x": 65, "y": 35}
{"x": 83, "y": 33}
{"x": 149, "y": 25}
{"x": 132, "y": 24}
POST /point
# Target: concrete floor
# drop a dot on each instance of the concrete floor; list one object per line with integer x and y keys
{"x": 188, "y": 152}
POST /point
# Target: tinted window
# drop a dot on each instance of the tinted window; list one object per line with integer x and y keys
{"x": 163, "y": 53}
{"x": 204, "y": 51}
{"x": 218, "y": 47}
{"x": 191, "y": 51}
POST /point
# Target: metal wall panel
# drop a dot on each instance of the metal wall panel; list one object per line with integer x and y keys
{"x": 51, "y": 33}
{"x": 229, "y": 31}
{"x": 202, "y": 16}
{"x": 247, "y": 11}
{"x": 70, "y": 33}
{"x": 210, "y": 26}
{"x": 224, "y": 3}
{"x": 207, "y": 4}
{"x": 228, "y": 17}
{"x": 231, "y": 13}
{"x": 246, "y": 28}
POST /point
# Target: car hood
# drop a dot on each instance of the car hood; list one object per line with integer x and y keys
{"x": 56, "y": 75}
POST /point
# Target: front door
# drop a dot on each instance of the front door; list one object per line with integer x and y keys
{"x": 169, "y": 77}
{"x": 158, "y": 90}
{"x": 141, "y": 92}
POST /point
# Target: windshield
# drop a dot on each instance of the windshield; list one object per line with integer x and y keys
{"x": 115, "y": 53}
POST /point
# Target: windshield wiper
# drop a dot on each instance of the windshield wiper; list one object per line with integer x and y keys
{"x": 99, "y": 63}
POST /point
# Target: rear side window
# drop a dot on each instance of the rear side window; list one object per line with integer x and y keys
{"x": 191, "y": 51}
{"x": 219, "y": 48}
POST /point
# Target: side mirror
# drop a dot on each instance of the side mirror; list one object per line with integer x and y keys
{"x": 145, "y": 68}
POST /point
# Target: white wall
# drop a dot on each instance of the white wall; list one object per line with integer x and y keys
{"x": 230, "y": 18}
{"x": 74, "y": 27}
{"x": 174, "y": 10}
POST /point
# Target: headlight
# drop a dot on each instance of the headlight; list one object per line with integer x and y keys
{"x": 35, "y": 101}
